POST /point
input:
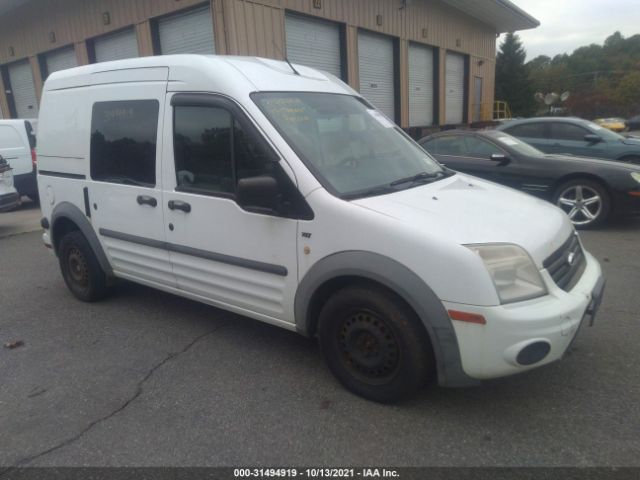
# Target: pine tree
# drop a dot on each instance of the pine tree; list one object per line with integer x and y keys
{"x": 512, "y": 79}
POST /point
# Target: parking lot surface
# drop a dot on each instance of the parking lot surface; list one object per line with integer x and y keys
{"x": 150, "y": 379}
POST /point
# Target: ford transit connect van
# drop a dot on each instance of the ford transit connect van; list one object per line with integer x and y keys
{"x": 277, "y": 192}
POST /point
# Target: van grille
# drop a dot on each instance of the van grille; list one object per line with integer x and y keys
{"x": 566, "y": 274}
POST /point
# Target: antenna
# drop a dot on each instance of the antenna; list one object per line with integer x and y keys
{"x": 294, "y": 70}
{"x": 275, "y": 45}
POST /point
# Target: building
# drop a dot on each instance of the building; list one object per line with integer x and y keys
{"x": 423, "y": 62}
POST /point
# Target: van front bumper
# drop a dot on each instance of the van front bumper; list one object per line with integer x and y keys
{"x": 525, "y": 335}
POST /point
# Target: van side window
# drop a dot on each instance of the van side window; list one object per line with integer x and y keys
{"x": 203, "y": 149}
{"x": 123, "y": 142}
{"x": 212, "y": 151}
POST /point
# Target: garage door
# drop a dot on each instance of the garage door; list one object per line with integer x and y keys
{"x": 190, "y": 32}
{"x": 314, "y": 43}
{"x": 454, "y": 85}
{"x": 420, "y": 85}
{"x": 61, "y": 60}
{"x": 23, "y": 89}
{"x": 377, "y": 82}
{"x": 116, "y": 47}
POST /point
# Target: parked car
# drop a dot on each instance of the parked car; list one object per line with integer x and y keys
{"x": 9, "y": 198}
{"x": 614, "y": 124}
{"x": 634, "y": 123}
{"x": 18, "y": 147}
{"x": 279, "y": 193}
{"x": 574, "y": 136}
{"x": 588, "y": 190}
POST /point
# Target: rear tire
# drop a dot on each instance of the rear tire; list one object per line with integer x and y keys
{"x": 586, "y": 202}
{"x": 375, "y": 344}
{"x": 80, "y": 268}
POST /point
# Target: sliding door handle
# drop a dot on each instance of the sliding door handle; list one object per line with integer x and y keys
{"x": 178, "y": 205}
{"x": 147, "y": 200}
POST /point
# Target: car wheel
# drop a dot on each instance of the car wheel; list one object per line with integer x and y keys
{"x": 631, "y": 159}
{"x": 80, "y": 268}
{"x": 586, "y": 203}
{"x": 375, "y": 344}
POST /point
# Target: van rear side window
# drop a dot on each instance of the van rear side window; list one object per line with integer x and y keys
{"x": 123, "y": 142}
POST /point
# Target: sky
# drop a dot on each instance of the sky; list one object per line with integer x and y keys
{"x": 569, "y": 24}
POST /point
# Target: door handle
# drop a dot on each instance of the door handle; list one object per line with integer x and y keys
{"x": 147, "y": 200}
{"x": 178, "y": 205}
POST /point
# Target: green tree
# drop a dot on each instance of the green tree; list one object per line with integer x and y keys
{"x": 512, "y": 79}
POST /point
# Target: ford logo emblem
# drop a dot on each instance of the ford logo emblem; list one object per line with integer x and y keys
{"x": 570, "y": 258}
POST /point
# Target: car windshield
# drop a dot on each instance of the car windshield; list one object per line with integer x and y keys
{"x": 602, "y": 132}
{"x": 352, "y": 149}
{"x": 517, "y": 145}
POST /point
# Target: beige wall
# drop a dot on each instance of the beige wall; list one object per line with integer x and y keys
{"x": 256, "y": 27}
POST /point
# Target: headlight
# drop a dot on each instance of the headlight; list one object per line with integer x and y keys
{"x": 514, "y": 274}
{"x": 636, "y": 176}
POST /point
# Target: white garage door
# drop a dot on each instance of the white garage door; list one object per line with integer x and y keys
{"x": 190, "y": 32}
{"x": 454, "y": 85}
{"x": 375, "y": 55}
{"x": 61, "y": 60}
{"x": 23, "y": 89}
{"x": 116, "y": 46}
{"x": 420, "y": 85}
{"x": 314, "y": 43}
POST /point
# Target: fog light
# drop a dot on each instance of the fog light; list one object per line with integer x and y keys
{"x": 533, "y": 353}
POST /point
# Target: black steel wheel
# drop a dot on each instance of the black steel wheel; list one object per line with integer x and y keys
{"x": 375, "y": 344}
{"x": 80, "y": 268}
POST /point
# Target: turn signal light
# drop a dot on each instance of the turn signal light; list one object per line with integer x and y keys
{"x": 467, "y": 317}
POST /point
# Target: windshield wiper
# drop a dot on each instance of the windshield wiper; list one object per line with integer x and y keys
{"x": 370, "y": 192}
{"x": 420, "y": 177}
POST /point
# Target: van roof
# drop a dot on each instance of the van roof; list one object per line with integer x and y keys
{"x": 224, "y": 74}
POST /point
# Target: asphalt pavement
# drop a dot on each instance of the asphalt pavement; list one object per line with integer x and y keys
{"x": 146, "y": 378}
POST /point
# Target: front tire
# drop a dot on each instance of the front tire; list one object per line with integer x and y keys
{"x": 80, "y": 268}
{"x": 375, "y": 344}
{"x": 586, "y": 202}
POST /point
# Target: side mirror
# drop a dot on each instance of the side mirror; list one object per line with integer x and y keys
{"x": 258, "y": 194}
{"x": 592, "y": 138}
{"x": 499, "y": 157}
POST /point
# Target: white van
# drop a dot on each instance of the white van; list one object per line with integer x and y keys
{"x": 277, "y": 192}
{"x": 18, "y": 148}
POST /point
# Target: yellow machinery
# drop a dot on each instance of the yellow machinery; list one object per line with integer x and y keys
{"x": 501, "y": 110}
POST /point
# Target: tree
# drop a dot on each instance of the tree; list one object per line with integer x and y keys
{"x": 512, "y": 78}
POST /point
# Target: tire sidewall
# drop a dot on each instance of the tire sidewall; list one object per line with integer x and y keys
{"x": 415, "y": 357}
{"x": 96, "y": 287}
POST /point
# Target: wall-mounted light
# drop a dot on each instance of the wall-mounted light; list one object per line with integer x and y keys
{"x": 106, "y": 18}
{"x": 12, "y": 52}
{"x": 480, "y": 63}
{"x": 317, "y": 4}
{"x": 425, "y": 32}
{"x": 458, "y": 42}
{"x": 379, "y": 20}
{"x": 52, "y": 37}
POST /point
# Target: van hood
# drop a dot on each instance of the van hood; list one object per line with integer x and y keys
{"x": 468, "y": 210}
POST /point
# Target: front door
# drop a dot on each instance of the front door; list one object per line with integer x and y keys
{"x": 570, "y": 138}
{"x": 124, "y": 196}
{"x": 220, "y": 252}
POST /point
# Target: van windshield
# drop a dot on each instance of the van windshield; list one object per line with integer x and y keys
{"x": 352, "y": 149}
